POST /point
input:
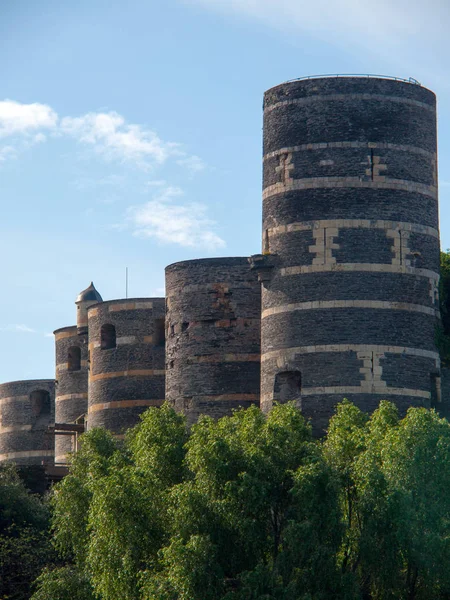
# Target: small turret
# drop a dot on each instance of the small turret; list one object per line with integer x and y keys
{"x": 84, "y": 300}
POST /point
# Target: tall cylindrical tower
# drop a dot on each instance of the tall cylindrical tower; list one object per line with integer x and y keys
{"x": 350, "y": 225}
{"x": 71, "y": 385}
{"x": 126, "y": 350}
{"x": 27, "y": 409}
{"x": 213, "y": 336}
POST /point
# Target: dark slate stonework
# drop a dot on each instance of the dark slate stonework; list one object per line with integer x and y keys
{"x": 346, "y": 285}
{"x": 358, "y": 155}
{"x": 363, "y": 246}
{"x": 27, "y": 409}
{"x": 348, "y": 326}
{"x": 353, "y": 162}
{"x": 387, "y": 116}
{"x": 213, "y": 336}
{"x": 72, "y": 385}
{"x": 126, "y": 379}
{"x": 312, "y": 204}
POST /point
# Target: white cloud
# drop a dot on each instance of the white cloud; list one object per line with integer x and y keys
{"x": 7, "y": 152}
{"x": 23, "y": 125}
{"x": 175, "y": 223}
{"x": 17, "y": 118}
{"x": 108, "y": 133}
{"x": 20, "y": 328}
{"x": 193, "y": 163}
{"x": 111, "y": 136}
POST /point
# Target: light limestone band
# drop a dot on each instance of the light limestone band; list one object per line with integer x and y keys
{"x": 123, "y": 404}
{"x": 126, "y": 340}
{"x": 331, "y": 97}
{"x": 82, "y": 396}
{"x": 382, "y": 182}
{"x": 392, "y": 391}
{"x": 365, "y": 145}
{"x": 133, "y": 373}
{"x": 229, "y": 398}
{"x": 289, "y": 353}
{"x": 14, "y": 399}
{"x": 354, "y": 224}
{"x": 93, "y": 312}
{"x": 342, "y": 390}
{"x": 15, "y": 428}
{"x": 26, "y": 454}
{"x": 66, "y": 334}
{"x": 367, "y": 267}
{"x": 330, "y": 304}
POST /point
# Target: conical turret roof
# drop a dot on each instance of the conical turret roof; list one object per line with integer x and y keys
{"x": 89, "y": 294}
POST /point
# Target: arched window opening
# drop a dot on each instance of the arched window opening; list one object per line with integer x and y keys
{"x": 288, "y": 387}
{"x": 159, "y": 336}
{"x": 74, "y": 358}
{"x": 108, "y": 337}
{"x": 40, "y": 403}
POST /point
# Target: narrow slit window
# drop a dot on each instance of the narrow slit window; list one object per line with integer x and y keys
{"x": 74, "y": 358}
{"x": 108, "y": 337}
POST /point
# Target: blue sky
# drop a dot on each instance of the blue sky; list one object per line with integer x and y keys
{"x": 130, "y": 135}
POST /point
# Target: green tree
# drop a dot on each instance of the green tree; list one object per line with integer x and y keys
{"x": 256, "y": 518}
{"x": 63, "y": 583}
{"x": 24, "y": 536}
{"x": 394, "y": 507}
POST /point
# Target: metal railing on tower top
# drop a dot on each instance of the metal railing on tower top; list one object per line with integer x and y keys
{"x": 410, "y": 80}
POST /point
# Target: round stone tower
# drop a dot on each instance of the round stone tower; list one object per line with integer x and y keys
{"x": 126, "y": 350}
{"x": 27, "y": 409}
{"x": 351, "y": 244}
{"x": 213, "y": 336}
{"x": 71, "y": 346}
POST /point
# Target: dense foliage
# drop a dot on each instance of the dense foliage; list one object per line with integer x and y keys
{"x": 250, "y": 507}
{"x": 24, "y": 536}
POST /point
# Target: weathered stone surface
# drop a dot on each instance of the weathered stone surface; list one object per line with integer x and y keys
{"x": 72, "y": 385}
{"x": 27, "y": 409}
{"x": 350, "y": 209}
{"x": 213, "y": 336}
{"x": 127, "y": 378}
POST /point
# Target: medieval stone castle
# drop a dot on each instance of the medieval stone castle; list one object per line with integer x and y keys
{"x": 342, "y": 302}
